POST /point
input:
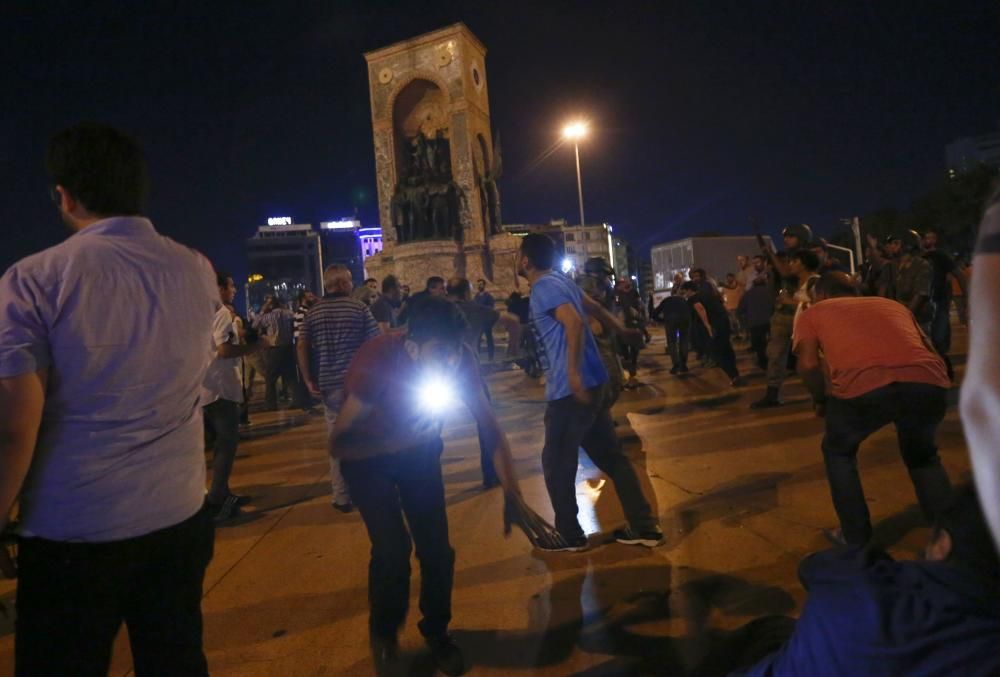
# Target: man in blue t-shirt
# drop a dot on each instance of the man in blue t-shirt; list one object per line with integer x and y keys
{"x": 575, "y": 417}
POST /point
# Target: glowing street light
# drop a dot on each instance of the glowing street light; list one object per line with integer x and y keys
{"x": 575, "y": 131}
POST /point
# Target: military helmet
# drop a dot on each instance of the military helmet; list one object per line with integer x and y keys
{"x": 800, "y": 230}
{"x": 910, "y": 239}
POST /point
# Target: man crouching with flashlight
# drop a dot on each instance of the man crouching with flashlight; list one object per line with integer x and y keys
{"x": 388, "y": 440}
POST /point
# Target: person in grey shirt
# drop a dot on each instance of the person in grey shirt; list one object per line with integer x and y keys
{"x": 104, "y": 343}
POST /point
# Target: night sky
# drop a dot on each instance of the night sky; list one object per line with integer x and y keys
{"x": 705, "y": 114}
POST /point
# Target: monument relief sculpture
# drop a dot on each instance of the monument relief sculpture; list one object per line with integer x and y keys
{"x": 426, "y": 203}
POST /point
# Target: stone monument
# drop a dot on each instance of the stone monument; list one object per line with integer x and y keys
{"x": 436, "y": 161}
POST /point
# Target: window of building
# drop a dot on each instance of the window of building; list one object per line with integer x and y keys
{"x": 570, "y": 249}
{"x": 586, "y": 236}
{"x": 570, "y": 237}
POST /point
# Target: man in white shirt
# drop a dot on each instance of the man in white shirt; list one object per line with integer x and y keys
{"x": 222, "y": 395}
{"x": 103, "y": 348}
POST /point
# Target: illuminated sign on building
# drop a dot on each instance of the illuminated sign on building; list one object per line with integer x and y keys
{"x": 279, "y": 221}
{"x": 371, "y": 241}
{"x": 343, "y": 224}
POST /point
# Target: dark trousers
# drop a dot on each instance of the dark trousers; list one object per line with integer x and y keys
{"x": 758, "y": 343}
{"x": 73, "y": 597}
{"x": 279, "y": 362}
{"x": 941, "y": 332}
{"x": 224, "y": 417}
{"x": 630, "y": 358}
{"x": 722, "y": 350}
{"x": 570, "y": 425}
{"x": 486, "y": 448}
{"x": 385, "y": 488}
{"x": 915, "y": 409}
{"x": 490, "y": 347}
{"x": 678, "y": 341}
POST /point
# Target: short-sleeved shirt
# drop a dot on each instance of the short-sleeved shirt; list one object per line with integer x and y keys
{"x": 484, "y": 298}
{"x": 385, "y": 377}
{"x": 278, "y": 326}
{"x": 385, "y": 312}
{"x": 336, "y": 327}
{"x": 222, "y": 380}
{"x": 122, "y": 319}
{"x": 869, "y": 342}
{"x": 714, "y": 309}
{"x": 479, "y": 319}
{"x": 548, "y": 293}
{"x": 914, "y": 279}
{"x": 942, "y": 265}
{"x": 674, "y": 311}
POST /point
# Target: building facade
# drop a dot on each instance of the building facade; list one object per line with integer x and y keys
{"x": 285, "y": 258}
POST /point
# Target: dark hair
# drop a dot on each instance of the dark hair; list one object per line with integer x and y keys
{"x": 458, "y": 286}
{"x": 689, "y": 286}
{"x": 434, "y": 281}
{"x": 759, "y": 256}
{"x": 101, "y": 167}
{"x": 433, "y": 317}
{"x": 222, "y": 278}
{"x": 301, "y": 295}
{"x": 540, "y": 250}
{"x": 971, "y": 542}
{"x": 480, "y": 280}
{"x": 700, "y": 271}
{"x": 389, "y": 283}
{"x": 370, "y": 279}
{"x": 807, "y": 257}
{"x": 834, "y": 284}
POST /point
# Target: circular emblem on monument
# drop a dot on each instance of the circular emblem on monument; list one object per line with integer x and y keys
{"x": 477, "y": 78}
{"x": 385, "y": 76}
{"x": 443, "y": 57}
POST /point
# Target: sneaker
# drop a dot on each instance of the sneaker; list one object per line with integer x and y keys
{"x": 228, "y": 509}
{"x": 447, "y": 656}
{"x": 385, "y": 651}
{"x": 737, "y": 382}
{"x": 241, "y": 500}
{"x": 343, "y": 507}
{"x": 576, "y": 545}
{"x": 649, "y": 538}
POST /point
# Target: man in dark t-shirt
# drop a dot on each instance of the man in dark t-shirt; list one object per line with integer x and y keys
{"x": 709, "y": 311}
{"x": 675, "y": 313}
{"x": 943, "y": 268}
{"x": 387, "y": 308}
{"x": 413, "y": 380}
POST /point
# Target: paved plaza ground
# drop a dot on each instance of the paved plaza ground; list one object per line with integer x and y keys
{"x": 742, "y": 496}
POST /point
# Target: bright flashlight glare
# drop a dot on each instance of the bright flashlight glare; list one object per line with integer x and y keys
{"x": 567, "y": 264}
{"x": 575, "y": 130}
{"x": 436, "y": 394}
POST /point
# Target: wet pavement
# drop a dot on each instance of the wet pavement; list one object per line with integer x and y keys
{"x": 742, "y": 496}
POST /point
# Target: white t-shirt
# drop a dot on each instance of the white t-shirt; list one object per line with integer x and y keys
{"x": 222, "y": 380}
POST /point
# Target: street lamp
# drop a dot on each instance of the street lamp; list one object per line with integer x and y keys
{"x": 575, "y": 131}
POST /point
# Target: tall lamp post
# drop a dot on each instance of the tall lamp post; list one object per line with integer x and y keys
{"x": 574, "y": 132}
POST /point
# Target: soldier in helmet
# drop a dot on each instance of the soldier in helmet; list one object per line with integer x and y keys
{"x": 779, "y": 344}
{"x": 911, "y": 276}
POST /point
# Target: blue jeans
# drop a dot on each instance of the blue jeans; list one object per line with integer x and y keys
{"x": 386, "y": 488}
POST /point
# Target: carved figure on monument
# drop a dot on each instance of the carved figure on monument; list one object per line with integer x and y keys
{"x": 488, "y": 189}
{"x": 425, "y": 205}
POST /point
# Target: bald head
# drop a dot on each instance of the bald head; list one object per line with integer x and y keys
{"x": 337, "y": 279}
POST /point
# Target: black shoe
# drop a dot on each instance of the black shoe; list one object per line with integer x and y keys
{"x": 675, "y": 370}
{"x": 683, "y": 369}
{"x": 447, "y": 656}
{"x": 737, "y": 382}
{"x": 385, "y": 652}
{"x": 766, "y": 403}
{"x": 575, "y": 545}
{"x": 343, "y": 507}
{"x": 650, "y": 538}
{"x": 241, "y": 500}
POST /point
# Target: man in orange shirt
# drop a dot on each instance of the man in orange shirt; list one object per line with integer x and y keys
{"x": 897, "y": 379}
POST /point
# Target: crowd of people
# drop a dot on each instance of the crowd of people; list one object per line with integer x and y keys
{"x": 102, "y": 409}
